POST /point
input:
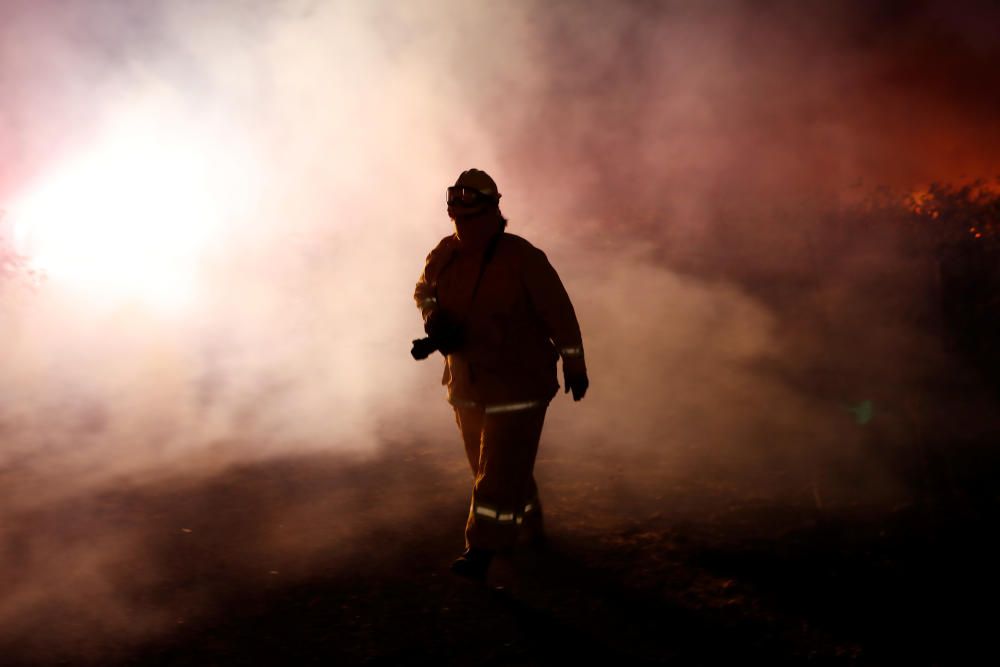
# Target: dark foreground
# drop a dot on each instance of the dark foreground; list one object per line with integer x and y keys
{"x": 320, "y": 560}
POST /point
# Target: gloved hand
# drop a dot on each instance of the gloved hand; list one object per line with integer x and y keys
{"x": 444, "y": 331}
{"x": 575, "y": 377}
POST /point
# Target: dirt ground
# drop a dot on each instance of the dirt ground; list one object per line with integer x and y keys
{"x": 330, "y": 560}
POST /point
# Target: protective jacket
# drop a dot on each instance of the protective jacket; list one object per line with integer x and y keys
{"x": 514, "y": 326}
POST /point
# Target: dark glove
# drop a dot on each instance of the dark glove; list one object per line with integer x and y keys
{"x": 422, "y": 348}
{"x": 575, "y": 377}
{"x": 446, "y": 333}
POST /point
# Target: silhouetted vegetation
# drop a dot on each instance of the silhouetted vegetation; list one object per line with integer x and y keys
{"x": 964, "y": 223}
{"x": 954, "y": 231}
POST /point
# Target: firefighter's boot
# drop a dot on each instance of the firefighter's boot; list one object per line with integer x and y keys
{"x": 473, "y": 564}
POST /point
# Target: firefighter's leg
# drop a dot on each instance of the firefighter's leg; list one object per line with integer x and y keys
{"x": 533, "y": 527}
{"x": 504, "y": 495}
{"x": 470, "y": 424}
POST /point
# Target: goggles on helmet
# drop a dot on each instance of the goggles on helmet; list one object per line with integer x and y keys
{"x": 458, "y": 194}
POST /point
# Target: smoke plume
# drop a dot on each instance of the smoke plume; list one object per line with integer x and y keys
{"x": 249, "y": 190}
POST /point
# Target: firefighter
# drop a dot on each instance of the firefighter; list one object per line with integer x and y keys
{"x": 496, "y": 309}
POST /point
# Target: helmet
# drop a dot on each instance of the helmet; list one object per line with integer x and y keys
{"x": 473, "y": 187}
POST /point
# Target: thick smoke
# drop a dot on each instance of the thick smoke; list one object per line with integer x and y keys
{"x": 680, "y": 163}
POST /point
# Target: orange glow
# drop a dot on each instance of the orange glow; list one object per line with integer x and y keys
{"x": 919, "y": 199}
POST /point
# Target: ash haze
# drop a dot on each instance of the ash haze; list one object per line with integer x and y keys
{"x": 233, "y": 200}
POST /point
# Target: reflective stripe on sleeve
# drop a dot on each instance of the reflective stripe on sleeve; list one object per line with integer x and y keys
{"x": 572, "y": 351}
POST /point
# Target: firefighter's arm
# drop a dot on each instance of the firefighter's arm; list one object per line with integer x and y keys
{"x": 424, "y": 296}
{"x": 553, "y": 305}
{"x": 425, "y": 293}
{"x": 439, "y": 325}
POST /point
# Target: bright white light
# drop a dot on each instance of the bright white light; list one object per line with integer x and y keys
{"x": 131, "y": 217}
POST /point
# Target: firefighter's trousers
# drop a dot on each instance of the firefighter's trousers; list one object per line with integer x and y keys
{"x": 501, "y": 447}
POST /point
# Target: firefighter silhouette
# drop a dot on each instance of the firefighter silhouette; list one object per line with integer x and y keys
{"x": 495, "y": 307}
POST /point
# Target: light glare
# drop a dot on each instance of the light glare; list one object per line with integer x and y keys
{"x": 130, "y": 217}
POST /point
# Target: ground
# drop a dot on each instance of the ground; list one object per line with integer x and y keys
{"x": 329, "y": 559}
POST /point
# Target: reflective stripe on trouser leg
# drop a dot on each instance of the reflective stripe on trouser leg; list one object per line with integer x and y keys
{"x": 497, "y": 408}
{"x": 501, "y": 448}
{"x": 482, "y": 511}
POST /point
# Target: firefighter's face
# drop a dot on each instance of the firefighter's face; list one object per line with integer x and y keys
{"x": 475, "y": 226}
{"x": 464, "y": 203}
{"x": 464, "y": 212}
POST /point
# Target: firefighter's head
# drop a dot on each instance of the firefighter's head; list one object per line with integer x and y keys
{"x": 473, "y": 194}
{"x": 474, "y": 205}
